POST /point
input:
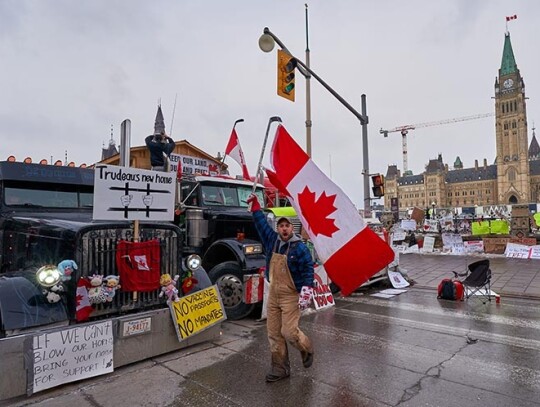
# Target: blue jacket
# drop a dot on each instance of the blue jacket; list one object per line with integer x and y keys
{"x": 157, "y": 149}
{"x": 298, "y": 259}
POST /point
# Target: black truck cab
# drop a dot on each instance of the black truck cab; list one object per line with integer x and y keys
{"x": 219, "y": 228}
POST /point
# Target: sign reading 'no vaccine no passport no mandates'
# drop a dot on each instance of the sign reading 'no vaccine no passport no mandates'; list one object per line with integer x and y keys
{"x": 122, "y": 193}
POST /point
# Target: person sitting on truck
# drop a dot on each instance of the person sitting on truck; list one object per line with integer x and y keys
{"x": 289, "y": 268}
{"x": 159, "y": 144}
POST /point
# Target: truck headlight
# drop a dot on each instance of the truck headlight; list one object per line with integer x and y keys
{"x": 193, "y": 262}
{"x": 252, "y": 248}
{"x": 48, "y": 275}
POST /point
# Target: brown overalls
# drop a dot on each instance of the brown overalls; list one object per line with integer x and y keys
{"x": 283, "y": 316}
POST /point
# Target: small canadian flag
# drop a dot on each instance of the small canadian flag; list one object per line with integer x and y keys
{"x": 508, "y": 18}
{"x": 84, "y": 308}
{"x": 234, "y": 151}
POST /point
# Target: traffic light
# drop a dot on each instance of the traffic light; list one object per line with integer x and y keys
{"x": 378, "y": 185}
{"x": 285, "y": 75}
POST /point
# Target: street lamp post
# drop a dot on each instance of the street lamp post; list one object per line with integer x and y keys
{"x": 433, "y": 209}
{"x": 267, "y": 42}
{"x": 308, "y": 92}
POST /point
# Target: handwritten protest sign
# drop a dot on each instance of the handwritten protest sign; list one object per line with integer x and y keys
{"x": 447, "y": 223}
{"x": 534, "y": 252}
{"x": 69, "y": 355}
{"x": 133, "y": 194}
{"x": 429, "y": 244}
{"x": 474, "y": 246}
{"x": 517, "y": 251}
{"x": 397, "y": 280}
{"x": 408, "y": 224}
{"x": 431, "y": 225}
{"x": 398, "y": 235}
{"x": 196, "y": 312}
{"x": 322, "y": 294}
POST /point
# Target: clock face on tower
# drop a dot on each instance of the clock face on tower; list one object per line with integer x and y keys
{"x": 508, "y": 83}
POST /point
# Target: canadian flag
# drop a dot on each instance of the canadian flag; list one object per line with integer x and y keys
{"x": 508, "y": 18}
{"x": 179, "y": 170}
{"x": 83, "y": 307}
{"x": 235, "y": 152}
{"x": 350, "y": 251}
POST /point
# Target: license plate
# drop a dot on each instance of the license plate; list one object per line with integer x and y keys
{"x": 136, "y": 326}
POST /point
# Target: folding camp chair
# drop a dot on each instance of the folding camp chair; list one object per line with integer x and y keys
{"x": 477, "y": 280}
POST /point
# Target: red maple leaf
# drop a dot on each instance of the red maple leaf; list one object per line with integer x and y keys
{"x": 316, "y": 212}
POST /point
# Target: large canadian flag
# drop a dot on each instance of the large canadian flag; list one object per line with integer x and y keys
{"x": 235, "y": 152}
{"x": 350, "y": 251}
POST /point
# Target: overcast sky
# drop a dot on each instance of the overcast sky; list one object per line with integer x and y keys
{"x": 71, "y": 69}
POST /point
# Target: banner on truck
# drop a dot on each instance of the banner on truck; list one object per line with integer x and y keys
{"x": 193, "y": 165}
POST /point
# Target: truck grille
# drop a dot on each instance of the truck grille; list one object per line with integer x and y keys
{"x": 97, "y": 253}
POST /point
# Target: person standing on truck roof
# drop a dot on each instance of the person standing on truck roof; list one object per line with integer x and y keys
{"x": 289, "y": 268}
{"x": 159, "y": 144}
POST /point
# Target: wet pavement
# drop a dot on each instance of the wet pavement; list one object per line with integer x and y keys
{"x": 409, "y": 350}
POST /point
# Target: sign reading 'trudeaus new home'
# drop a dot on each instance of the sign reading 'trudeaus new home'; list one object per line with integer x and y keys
{"x": 122, "y": 193}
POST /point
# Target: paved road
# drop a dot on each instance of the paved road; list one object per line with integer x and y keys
{"x": 410, "y": 350}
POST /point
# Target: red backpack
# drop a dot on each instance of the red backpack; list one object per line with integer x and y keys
{"x": 460, "y": 290}
{"x": 449, "y": 289}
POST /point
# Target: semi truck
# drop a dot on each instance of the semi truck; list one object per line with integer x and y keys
{"x": 216, "y": 224}
{"x": 46, "y": 221}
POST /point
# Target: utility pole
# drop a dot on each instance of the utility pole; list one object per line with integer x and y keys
{"x": 308, "y": 92}
{"x": 365, "y": 158}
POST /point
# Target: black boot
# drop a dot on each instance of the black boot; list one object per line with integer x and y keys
{"x": 307, "y": 359}
{"x": 280, "y": 367}
{"x": 270, "y": 377}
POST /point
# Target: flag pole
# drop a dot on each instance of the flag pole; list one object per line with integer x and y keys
{"x": 225, "y": 154}
{"x": 172, "y": 119}
{"x": 259, "y": 165}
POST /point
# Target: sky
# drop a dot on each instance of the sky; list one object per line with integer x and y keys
{"x": 72, "y": 69}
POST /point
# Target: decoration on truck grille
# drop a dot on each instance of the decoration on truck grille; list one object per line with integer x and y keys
{"x": 168, "y": 287}
{"x": 139, "y": 265}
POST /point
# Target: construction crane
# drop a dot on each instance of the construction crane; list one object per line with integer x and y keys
{"x": 405, "y": 129}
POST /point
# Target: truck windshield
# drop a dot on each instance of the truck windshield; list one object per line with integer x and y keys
{"x": 228, "y": 195}
{"x": 46, "y": 197}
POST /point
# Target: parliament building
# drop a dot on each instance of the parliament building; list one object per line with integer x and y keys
{"x": 514, "y": 177}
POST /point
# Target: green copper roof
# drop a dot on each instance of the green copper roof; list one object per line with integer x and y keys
{"x": 508, "y": 64}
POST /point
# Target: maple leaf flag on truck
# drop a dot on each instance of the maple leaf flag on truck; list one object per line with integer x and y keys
{"x": 234, "y": 151}
{"x": 350, "y": 251}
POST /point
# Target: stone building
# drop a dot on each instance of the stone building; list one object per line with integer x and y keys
{"x": 513, "y": 177}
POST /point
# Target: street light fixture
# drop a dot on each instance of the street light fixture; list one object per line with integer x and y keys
{"x": 267, "y": 42}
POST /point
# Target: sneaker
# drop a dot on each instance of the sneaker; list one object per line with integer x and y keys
{"x": 307, "y": 359}
{"x": 270, "y": 377}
